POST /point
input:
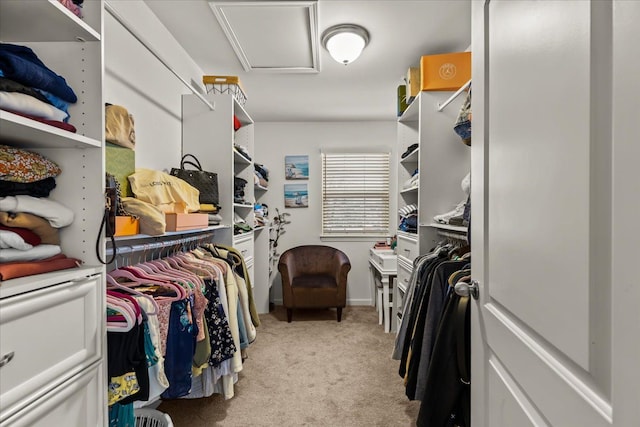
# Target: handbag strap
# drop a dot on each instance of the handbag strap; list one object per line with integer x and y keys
{"x": 105, "y": 220}
{"x": 186, "y": 162}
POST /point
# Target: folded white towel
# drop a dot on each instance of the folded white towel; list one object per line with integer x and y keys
{"x": 9, "y": 239}
{"x": 57, "y": 214}
{"x": 34, "y": 254}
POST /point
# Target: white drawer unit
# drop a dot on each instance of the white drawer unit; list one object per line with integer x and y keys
{"x": 73, "y": 403}
{"x": 385, "y": 258}
{"x": 244, "y": 244}
{"x": 46, "y": 337}
{"x": 400, "y": 290}
{"x": 408, "y": 246}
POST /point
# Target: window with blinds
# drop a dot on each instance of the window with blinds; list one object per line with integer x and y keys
{"x": 355, "y": 194}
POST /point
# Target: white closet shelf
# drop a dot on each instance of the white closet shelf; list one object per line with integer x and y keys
{"x": 456, "y": 228}
{"x": 407, "y": 235}
{"x": 242, "y": 205}
{"x": 61, "y": 24}
{"x": 168, "y": 234}
{"x": 21, "y": 285}
{"x": 411, "y": 158}
{"x": 262, "y": 227}
{"x": 260, "y": 187}
{"x": 410, "y": 190}
{"x": 412, "y": 112}
{"x": 242, "y": 114}
{"x": 33, "y": 134}
{"x": 240, "y": 159}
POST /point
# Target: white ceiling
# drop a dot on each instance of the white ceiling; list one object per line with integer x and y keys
{"x": 401, "y": 31}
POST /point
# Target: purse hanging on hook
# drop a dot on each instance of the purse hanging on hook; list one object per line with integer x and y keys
{"x": 108, "y": 218}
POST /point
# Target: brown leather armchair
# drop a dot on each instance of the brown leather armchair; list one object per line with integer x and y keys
{"x": 314, "y": 276}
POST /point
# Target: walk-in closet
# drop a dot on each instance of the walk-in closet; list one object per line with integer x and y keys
{"x": 319, "y": 213}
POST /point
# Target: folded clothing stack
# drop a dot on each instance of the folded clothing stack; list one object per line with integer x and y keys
{"x": 408, "y": 218}
{"x": 29, "y": 88}
{"x": 29, "y": 236}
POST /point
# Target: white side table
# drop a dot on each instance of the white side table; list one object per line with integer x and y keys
{"x": 383, "y": 266}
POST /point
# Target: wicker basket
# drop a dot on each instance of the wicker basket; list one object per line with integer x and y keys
{"x": 225, "y": 84}
{"x": 152, "y": 418}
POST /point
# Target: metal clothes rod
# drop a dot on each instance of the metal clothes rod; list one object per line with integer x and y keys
{"x": 454, "y": 96}
{"x": 121, "y": 250}
{"x": 138, "y": 37}
{"x": 454, "y": 236}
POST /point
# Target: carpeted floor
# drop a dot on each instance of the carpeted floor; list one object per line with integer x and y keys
{"x": 311, "y": 372}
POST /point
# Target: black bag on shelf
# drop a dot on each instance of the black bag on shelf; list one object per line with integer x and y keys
{"x": 205, "y": 182}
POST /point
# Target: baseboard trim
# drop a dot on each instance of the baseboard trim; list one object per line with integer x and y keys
{"x": 364, "y": 301}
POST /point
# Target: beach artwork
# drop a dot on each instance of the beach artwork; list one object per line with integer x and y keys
{"x": 296, "y": 167}
{"x": 296, "y": 196}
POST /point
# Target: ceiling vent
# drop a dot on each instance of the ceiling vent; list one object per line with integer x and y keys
{"x": 272, "y": 36}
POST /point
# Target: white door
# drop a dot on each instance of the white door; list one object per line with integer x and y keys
{"x": 555, "y": 212}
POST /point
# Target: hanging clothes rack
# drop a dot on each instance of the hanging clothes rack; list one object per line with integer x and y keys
{"x": 454, "y": 96}
{"x": 457, "y": 237}
{"x": 148, "y": 46}
{"x": 123, "y": 250}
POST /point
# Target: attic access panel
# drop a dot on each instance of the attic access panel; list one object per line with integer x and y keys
{"x": 271, "y": 36}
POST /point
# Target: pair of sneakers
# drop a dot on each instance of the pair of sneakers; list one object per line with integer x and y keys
{"x": 452, "y": 216}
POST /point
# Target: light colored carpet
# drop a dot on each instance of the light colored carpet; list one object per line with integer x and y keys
{"x": 311, "y": 372}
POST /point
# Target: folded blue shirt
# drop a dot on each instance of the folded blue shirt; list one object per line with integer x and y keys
{"x": 21, "y": 64}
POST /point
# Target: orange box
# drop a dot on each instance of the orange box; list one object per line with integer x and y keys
{"x": 446, "y": 72}
{"x": 183, "y": 221}
{"x": 127, "y": 226}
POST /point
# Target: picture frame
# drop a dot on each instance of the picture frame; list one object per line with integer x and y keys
{"x": 296, "y": 167}
{"x": 296, "y": 196}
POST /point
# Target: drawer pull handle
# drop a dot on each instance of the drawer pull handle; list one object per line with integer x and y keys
{"x": 6, "y": 359}
{"x": 405, "y": 280}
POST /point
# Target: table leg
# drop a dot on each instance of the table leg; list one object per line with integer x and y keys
{"x": 385, "y": 302}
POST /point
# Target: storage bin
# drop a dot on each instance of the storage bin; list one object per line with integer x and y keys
{"x": 445, "y": 72}
{"x": 183, "y": 221}
{"x": 225, "y": 84}
{"x": 152, "y": 418}
{"x": 127, "y": 226}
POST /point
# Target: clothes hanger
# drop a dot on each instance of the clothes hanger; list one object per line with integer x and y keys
{"x": 143, "y": 279}
{"x": 125, "y": 310}
{"x": 113, "y": 282}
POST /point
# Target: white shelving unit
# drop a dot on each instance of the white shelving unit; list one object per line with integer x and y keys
{"x": 209, "y": 135}
{"x": 64, "y": 380}
{"x": 442, "y": 161}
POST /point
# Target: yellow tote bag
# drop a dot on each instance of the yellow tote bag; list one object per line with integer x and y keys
{"x": 166, "y": 192}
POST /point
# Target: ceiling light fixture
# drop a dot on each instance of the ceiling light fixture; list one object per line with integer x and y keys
{"x": 345, "y": 42}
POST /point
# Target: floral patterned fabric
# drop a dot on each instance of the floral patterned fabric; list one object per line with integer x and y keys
{"x": 17, "y": 165}
{"x": 222, "y": 346}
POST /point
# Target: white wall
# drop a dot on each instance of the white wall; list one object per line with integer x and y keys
{"x": 135, "y": 79}
{"x": 275, "y": 140}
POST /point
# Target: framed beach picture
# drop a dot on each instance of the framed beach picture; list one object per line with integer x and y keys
{"x": 296, "y": 167}
{"x": 296, "y": 196}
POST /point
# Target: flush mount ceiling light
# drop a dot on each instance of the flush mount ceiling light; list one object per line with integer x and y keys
{"x": 345, "y": 42}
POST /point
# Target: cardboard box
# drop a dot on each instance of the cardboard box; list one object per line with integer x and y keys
{"x": 127, "y": 226}
{"x": 413, "y": 83}
{"x": 446, "y": 72}
{"x": 183, "y": 221}
{"x": 120, "y": 162}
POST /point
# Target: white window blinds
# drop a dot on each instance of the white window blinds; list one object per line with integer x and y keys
{"x": 355, "y": 194}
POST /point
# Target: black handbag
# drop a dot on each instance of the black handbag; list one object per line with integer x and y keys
{"x": 205, "y": 182}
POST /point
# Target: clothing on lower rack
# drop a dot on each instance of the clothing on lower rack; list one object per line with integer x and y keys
{"x": 430, "y": 343}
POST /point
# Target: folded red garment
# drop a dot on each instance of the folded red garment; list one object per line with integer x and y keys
{"x": 12, "y": 270}
{"x": 58, "y": 124}
{"x": 27, "y": 235}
